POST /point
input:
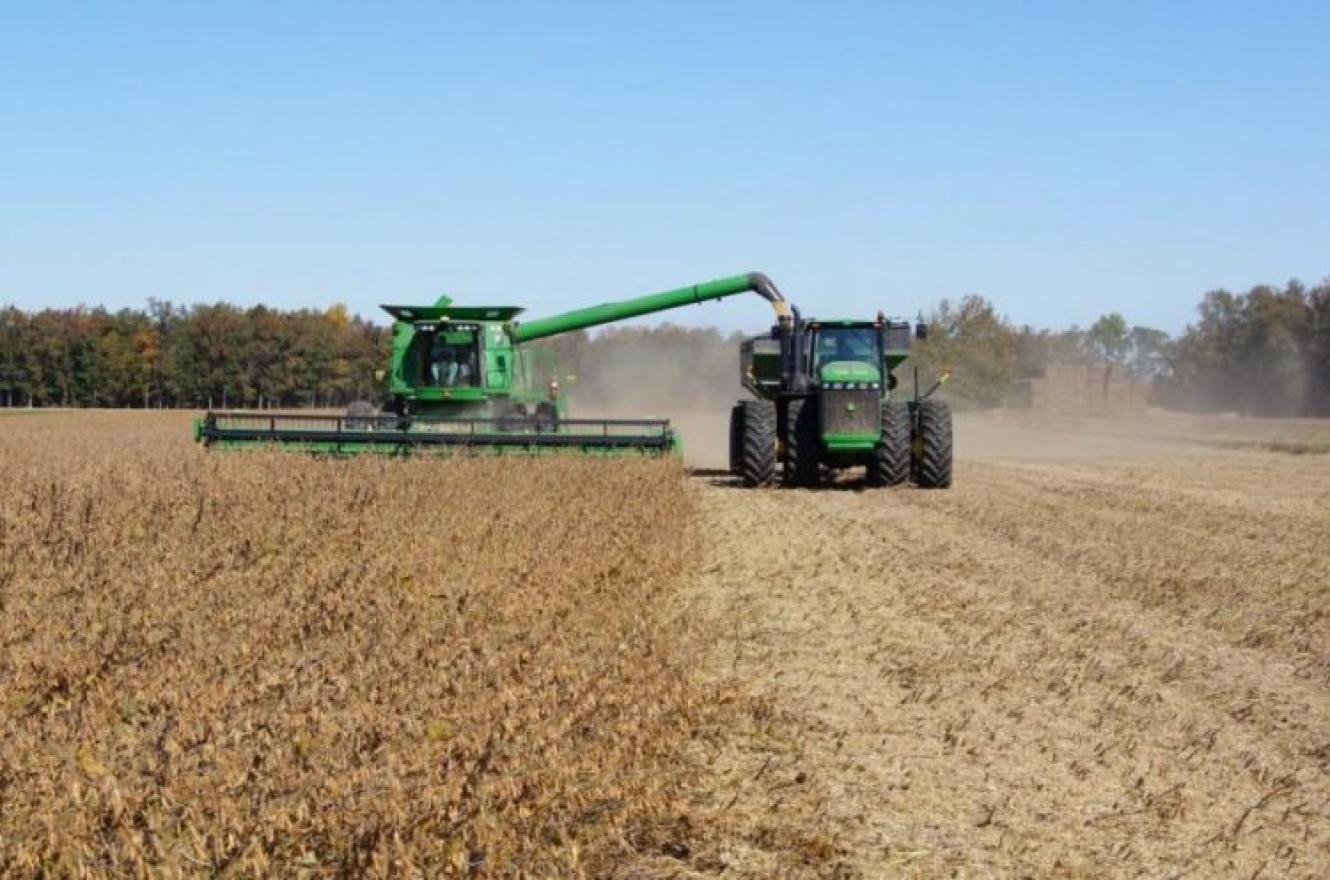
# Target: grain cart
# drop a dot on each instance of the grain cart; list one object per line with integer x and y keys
{"x": 461, "y": 377}
{"x": 828, "y": 397}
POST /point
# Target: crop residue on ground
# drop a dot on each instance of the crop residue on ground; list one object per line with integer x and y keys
{"x": 262, "y": 663}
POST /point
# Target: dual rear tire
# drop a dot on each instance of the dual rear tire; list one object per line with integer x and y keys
{"x": 753, "y": 442}
{"x": 915, "y": 444}
{"x": 930, "y": 466}
{"x": 890, "y": 465}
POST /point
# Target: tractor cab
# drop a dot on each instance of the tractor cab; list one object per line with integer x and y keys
{"x": 837, "y": 343}
{"x": 857, "y": 351}
{"x": 845, "y": 354}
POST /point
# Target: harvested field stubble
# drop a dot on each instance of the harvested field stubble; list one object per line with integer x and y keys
{"x": 1073, "y": 668}
{"x": 268, "y": 664}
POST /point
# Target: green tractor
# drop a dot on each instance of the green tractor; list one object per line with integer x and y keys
{"x": 828, "y": 398}
{"x": 462, "y": 377}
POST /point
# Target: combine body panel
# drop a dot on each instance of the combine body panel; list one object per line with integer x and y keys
{"x": 460, "y": 378}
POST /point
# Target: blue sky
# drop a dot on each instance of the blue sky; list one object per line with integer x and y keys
{"x": 1062, "y": 159}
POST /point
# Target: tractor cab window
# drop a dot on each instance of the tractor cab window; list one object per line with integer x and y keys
{"x": 452, "y": 360}
{"x": 846, "y": 344}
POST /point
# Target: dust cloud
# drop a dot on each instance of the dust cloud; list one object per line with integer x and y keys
{"x": 693, "y": 389}
{"x": 692, "y": 378}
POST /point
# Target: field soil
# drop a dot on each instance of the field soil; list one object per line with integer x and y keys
{"x": 1104, "y": 652}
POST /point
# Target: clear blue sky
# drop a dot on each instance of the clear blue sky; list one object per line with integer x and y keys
{"x": 1063, "y": 159}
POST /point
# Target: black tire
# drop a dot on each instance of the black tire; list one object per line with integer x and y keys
{"x": 757, "y": 459}
{"x": 891, "y": 456}
{"x": 403, "y": 413}
{"x": 736, "y": 437}
{"x": 514, "y": 418}
{"x": 361, "y": 415}
{"x": 803, "y": 443}
{"x": 932, "y": 445}
{"x": 546, "y": 418}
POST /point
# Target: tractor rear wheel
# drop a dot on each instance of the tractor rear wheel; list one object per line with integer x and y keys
{"x": 757, "y": 446}
{"x": 932, "y": 445}
{"x": 736, "y": 437}
{"x": 803, "y": 445}
{"x": 891, "y": 456}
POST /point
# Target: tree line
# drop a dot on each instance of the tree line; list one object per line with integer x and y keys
{"x": 1262, "y": 352}
{"x": 200, "y": 356}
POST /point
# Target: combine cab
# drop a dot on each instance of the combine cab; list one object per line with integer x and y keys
{"x": 460, "y": 377}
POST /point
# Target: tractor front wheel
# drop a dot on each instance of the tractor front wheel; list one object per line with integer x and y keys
{"x": 932, "y": 445}
{"x": 756, "y": 430}
{"x": 803, "y": 446}
{"x": 891, "y": 456}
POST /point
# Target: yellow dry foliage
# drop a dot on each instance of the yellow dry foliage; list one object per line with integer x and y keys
{"x": 263, "y": 664}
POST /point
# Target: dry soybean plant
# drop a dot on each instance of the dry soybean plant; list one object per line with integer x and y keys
{"x": 263, "y": 664}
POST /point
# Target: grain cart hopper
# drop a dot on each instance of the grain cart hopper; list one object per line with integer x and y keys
{"x": 827, "y": 397}
{"x": 461, "y": 377}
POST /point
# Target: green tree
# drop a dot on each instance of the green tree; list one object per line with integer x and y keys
{"x": 1109, "y": 339}
{"x": 977, "y": 345}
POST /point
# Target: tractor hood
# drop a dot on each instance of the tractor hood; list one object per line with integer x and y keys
{"x": 856, "y": 372}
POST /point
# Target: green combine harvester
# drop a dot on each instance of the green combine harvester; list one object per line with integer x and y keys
{"x": 460, "y": 378}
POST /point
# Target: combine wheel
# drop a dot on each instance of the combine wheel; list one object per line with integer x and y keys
{"x": 360, "y": 415}
{"x": 547, "y": 418}
{"x": 513, "y": 419}
{"x": 932, "y": 445}
{"x": 803, "y": 446}
{"x": 757, "y": 453}
{"x": 891, "y": 456}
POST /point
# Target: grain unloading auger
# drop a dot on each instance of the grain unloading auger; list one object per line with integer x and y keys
{"x": 460, "y": 377}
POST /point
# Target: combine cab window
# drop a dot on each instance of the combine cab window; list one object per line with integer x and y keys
{"x": 452, "y": 360}
{"x": 846, "y": 344}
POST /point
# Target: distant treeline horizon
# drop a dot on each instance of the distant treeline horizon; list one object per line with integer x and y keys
{"x": 1262, "y": 352}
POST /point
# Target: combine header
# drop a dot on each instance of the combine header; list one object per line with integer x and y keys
{"x": 391, "y": 435}
{"x": 460, "y": 378}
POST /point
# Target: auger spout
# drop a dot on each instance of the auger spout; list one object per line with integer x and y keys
{"x": 593, "y": 316}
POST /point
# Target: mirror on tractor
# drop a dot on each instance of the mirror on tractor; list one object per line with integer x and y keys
{"x": 921, "y": 330}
